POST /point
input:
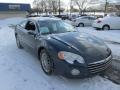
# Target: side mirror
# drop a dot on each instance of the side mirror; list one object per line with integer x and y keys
{"x": 30, "y": 32}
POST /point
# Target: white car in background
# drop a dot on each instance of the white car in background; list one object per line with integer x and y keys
{"x": 73, "y": 16}
{"x": 84, "y": 21}
{"x": 107, "y": 23}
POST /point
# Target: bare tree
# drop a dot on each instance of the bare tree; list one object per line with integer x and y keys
{"x": 46, "y": 5}
{"x": 82, "y": 4}
{"x": 38, "y": 6}
{"x": 106, "y": 7}
{"x": 41, "y": 5}
{"x": 53, "y": 5}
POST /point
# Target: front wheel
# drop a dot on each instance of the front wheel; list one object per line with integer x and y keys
{"x": 106, "y": 27}
{"x": 46, "y": 62}
{"x": 80, "y": 25}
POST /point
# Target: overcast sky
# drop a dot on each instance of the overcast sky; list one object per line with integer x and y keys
{"x": 30, "y": 1}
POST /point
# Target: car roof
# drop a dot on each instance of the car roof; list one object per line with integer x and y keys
{"x": 43, "y": 19}
{"x": 85, "y": 17}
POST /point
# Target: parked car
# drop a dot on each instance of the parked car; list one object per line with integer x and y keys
{"x": 61, "y": 49}
{"x": 51, "y": 16}
{"x": 27, "y": 16}
{"x": 73, "y": 16}
{"x": 63, "y": 17}
{"x": 84, "y": 21}
{"x": 107, "y": 23}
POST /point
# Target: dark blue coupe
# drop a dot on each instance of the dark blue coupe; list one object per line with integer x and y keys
{"x": 61, "y": 49}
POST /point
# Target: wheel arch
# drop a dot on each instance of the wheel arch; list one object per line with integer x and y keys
{"x": 15, "y": 34}
{"x": 81, "y": 23}
{"x": 106, "y": 25}
{"x": 39, "y": 50}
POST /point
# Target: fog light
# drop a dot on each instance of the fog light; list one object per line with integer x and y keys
{"x": 75, "y": 72}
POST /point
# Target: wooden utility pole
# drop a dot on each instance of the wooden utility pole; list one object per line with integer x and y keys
{"x": 106, "y": 5}
{"x": 70, "y": 7}
{"x": 59, "y": 7}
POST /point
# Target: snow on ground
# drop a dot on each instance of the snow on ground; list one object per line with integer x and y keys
{"x": 11, "y": 21}
{"x": 112, "y": 38}
{"x": 115, "y": 50}
{"x": 20, "y": 70}
{"x": 111, "y": 35}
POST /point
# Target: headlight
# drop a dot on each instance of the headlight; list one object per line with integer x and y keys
{"x": 70, "y": 57}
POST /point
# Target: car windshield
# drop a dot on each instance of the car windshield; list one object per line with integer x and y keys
{"x": 53, "y": 27}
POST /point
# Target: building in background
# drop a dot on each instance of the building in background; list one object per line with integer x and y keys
{"x": 8, "y": 10}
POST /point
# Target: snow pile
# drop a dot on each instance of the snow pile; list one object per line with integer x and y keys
{"x": 115, "y": 50}
{"x": 111, "y": 35}
{"x": 11, "y": 21}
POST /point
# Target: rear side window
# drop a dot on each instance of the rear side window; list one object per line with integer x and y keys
{"x": 30, "y": 26}
{"x": 84, "y": 17}
{"x": 92, "y": 18}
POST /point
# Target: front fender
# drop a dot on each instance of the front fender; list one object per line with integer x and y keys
{"x": 54, "y": 46}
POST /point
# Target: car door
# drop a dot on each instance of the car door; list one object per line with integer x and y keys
{"x": 117, "y": 22}
{"x": 114, "y": 22}
{"x": 90, "y": 20}
{"x": 85, "y": 21}
{"x": 30, "y": 35}
{"x": 21, "y": 31}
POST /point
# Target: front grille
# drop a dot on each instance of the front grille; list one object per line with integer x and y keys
{"x": 100, "y": 66}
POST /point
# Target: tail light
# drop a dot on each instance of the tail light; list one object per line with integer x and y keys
{"x": 99, "y": 21}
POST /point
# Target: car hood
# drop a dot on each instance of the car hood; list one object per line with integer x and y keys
{"x": 89, "y": 47}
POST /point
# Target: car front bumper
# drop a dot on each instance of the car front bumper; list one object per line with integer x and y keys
{"x": 78, "y": 70}
{"x": 74, "y": 23}
{"x": 97, "y": 25}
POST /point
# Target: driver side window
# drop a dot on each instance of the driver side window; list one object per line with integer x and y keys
{"x": 91, "y": 18}
{"x": 30, "y": 26}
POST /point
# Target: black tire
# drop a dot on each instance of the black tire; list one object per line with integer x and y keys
{"x": 106, "y": 27}
{"x": 18, "y": 43}
{"x": 81, "y": 25}
{"x": 97, "y": 29}
{"x": 47, "y": 69}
